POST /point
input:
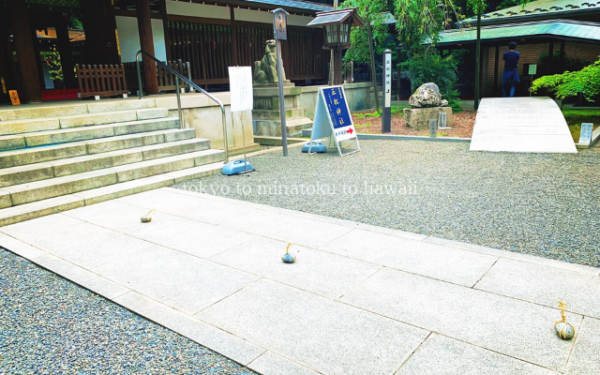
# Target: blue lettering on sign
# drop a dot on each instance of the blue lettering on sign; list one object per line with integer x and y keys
{"x": 336, "y": 105}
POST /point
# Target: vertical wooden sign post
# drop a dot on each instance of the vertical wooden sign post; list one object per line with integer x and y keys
{"x": 280, "y": 33}
{"x": 386, "y": 116}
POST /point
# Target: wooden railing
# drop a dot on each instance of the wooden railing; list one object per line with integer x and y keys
{"x": 212, "y": 47}
{"x": 101, "y": 80}
{"x": 166, "y": 80}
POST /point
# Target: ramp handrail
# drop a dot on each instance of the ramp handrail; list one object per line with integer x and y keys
{"x": 178, "y": 76}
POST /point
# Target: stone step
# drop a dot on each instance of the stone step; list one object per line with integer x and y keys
{"x": 71, "y": 109}
{"x": 40, "y": 154}
{"x": 42, "y": 138}
{"x": 21, "y": 126}
{"x": 272, "y": 128}
{"x": 58, "y": 186}
{"x": 274, "y": 114}
{"x": 16, "y": 214}
{"x": 81, "y": 164}
{"x": 295, "y": 126}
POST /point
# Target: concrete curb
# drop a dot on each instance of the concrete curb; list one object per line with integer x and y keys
{"x": 389, "y": 137}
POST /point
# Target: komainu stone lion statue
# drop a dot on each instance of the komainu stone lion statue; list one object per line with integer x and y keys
{"x": 265, "y": 70}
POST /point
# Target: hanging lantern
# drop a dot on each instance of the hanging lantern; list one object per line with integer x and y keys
{"x": 337, "y": 25}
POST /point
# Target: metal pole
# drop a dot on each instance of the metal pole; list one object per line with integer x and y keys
{"x": 281, "y": 100}
{"x": 478, "y": 58}
{"x": 225, "y": 145}
{"x": 243, "y": 142}
{"x": 139, "y": 73}
{"x": 189, "y": 76}
{"x": 181, "y": 123}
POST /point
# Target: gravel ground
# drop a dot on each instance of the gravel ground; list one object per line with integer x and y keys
{"x": 49, "y": 325}
{"x": 541, "y": 204}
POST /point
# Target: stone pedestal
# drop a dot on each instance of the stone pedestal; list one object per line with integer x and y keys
{"x": 266, "y": 115}
{"x": 418, "y": 118}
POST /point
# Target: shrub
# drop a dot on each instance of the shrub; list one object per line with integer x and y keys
{"x": 430, "y": 66}
{"x": 585, "y": 81}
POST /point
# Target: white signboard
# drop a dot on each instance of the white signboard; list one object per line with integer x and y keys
{"x": 532, "y": 69}
{"x": 240, "y": 88}
{"x": 585, "y": 137}
{"x": 332, "y": 116}
{"x": 387, "y": 80}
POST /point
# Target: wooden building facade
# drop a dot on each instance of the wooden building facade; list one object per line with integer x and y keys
{"x": 43, "y": 40}
{"x": 554, "y": 35}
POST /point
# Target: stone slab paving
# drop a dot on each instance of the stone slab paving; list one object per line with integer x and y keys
{"x": 359, "y": 300}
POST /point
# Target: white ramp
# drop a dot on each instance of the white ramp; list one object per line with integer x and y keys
{"x": 533, "y": 124}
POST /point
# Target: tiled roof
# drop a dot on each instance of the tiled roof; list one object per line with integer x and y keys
{"x": 294, "y": 4}
{"x": 589, "y": 31}
{"x": 557, "y": 8}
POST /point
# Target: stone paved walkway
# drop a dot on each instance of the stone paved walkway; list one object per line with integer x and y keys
{"x": 360, "y": 299}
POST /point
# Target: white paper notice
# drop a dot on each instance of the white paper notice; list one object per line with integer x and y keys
{"x": 387, "y": 81}
{"x": 240, "y": 88}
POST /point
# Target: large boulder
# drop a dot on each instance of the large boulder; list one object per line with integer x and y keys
{"x": 428, "y": 95}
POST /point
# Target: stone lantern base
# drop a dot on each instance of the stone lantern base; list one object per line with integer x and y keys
{"x": 266, "y": 115}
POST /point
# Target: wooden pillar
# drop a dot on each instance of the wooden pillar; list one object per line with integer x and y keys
{"x": 399, "y": 83}
{"x": 5, "y": 73}
{"x": 100, "y": 28}
{"x": 147, "y": 44}
{"x": 165, "y": 18}
{"x": 64, "y": 49}
{"x": 338, "y": 78}
{"x": 234, "y": 44}
{"x": 562, "y": 55}
{"x": 481, "y": 63}
{"x": 27, "y": 61}
{"x": 550, "y": 58}
{"x": 496, "y": 66}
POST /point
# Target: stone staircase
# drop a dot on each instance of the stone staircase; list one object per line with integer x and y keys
{"x": 59, "y": 157}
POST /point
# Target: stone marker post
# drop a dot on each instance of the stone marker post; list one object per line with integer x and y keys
{"x": 386, "y": 116}
{"x": 433, "y": 128}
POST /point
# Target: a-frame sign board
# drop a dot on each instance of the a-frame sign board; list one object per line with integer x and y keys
{"x": 332, "y": 117}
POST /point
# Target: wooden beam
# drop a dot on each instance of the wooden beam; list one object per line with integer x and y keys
{"x": 147, "y": 44}
{"x": 165, "y": 19}
{"x": 234, "y": 44}
{"x": 27, "y": 61}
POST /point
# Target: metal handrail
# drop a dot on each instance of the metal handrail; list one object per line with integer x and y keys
{"x": 189, "y": 82}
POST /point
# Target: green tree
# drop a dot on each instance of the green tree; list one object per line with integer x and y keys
{"x": 418, "y": 25}
{"x": 375, "y": 13}
{"x": 585, "y": 82}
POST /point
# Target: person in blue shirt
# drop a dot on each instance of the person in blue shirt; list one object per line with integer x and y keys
{"x": 510, "y": 77}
